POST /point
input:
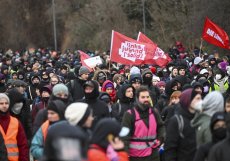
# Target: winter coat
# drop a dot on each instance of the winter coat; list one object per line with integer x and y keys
{"x": 37, "y": 145}
{"x": 128, "y": 121}
{"x": 113, "y": 94}
{"x": 40, "y": 118}
{"x": 24, "y": 116}
{"x": 201, "y": 121}
{"x": 21, "y": 137}
{"x": 96, "y": 153}
{"x": 76, "y": 88}
{"x": 220, "y": 151}
{"x": 202, "y": 124}
{"x": 176, "y": 147}
{"x": 124, "y": 104}
{"x": 3, "y": 151}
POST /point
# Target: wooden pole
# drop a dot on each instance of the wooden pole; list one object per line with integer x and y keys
{"x": 201, "y": 45}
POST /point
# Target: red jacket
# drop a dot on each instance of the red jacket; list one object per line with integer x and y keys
{"x": 96, "y": 153}
{"x": 21, "y": 137}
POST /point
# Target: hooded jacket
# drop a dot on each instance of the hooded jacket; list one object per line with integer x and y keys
{"x": 100, "y": 143}
{"x": 201, "y": 121}
{"x": 24, "y": 115}
{"x": 176, "y": 147}
{"x": 124, "y": 104}
{"x": 100, "y": 109}
{"x": 113, "y": 94}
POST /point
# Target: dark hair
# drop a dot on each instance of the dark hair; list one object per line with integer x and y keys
{"x": 141, "y": 89}
{"x": 227, "y": 100}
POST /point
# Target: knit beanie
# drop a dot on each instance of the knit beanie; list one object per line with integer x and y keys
{"x": 57, "y": 106}
{"x": 160, "y": 84}
{"x": 60, "y": 88}
{"x": 3, "y": 95}
{"x": 135, "y": 70}
{"x": 108, "y": 85}
{"x": 83, "y": 70}
{"x": 77, "y": 113}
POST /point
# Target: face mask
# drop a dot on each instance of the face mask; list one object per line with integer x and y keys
{"x": 206, "y": 89}
{"x": 170, "y": 69}
{"x": 198, "y": 106}
{"x": 147, "y": 80}
{"x": 218, "y": 76}
{"x": 45, "y": 99}
{"x": 17, "y": 107}
{"x": 220, "y": 133}
{"x": 36, "y": 84}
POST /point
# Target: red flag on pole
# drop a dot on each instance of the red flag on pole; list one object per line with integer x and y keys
{"x": 128, "y": 51}
{"x": 215, "y": 35}
{"x": 84, "y": 56}
{"x": 160, "y": 57}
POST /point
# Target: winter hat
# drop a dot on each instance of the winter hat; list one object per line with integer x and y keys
{"x": 77, "y": 113}
{"x": 3, "y": 95}
{"x": 156, "y": 78}
{"x": 135, "y": 78}
{"x": 47, "y": 88}
{"x": 18, "y": 83}
{"x": 223, "y": 66}
{"x": 218, "y": 116}
{"x": 146, "y": 71}
{"x": 135, "y": 70}
{"x": 101, "y": 75}
{"x": 160, "y": 84}
{"x": 57, "y": 106}
{"x": 59, "y": 88}
{"x": 2, "y": 76}
{"x": 35, "y": 76}
{"x": 108, "y": 85}
{"x": 197, "y": 60}
{"x": 213, "y": 102}
{"x": 153, "y": 70}
{"x": 203, "y": 71}
{"x": 83, "y": 70}
{"x": 187, "y": 97}
{"x": 105, "y": 97}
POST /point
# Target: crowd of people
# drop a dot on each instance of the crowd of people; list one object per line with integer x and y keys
{"x": 53, "y": 108}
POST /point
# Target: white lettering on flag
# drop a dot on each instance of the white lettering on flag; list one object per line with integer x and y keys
{"x": 132, "y": 51}
{"x": 215, "y": 35}
{"x": 159, "y": 53}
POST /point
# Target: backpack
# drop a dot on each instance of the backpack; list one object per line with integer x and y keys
{"x": 180, "y": 122}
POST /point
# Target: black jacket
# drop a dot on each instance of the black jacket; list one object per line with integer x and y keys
{"x": 124, "y": 104}
{"x": 176, "y": 147}
{"x": 76, "y": 88}
{"x": 220, "y": 151}
{"x": 3, "y": 151}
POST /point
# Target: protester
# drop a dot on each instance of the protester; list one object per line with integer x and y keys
{"x": 143, "y": 140}
{"x": 106, "y": 143}
{"x": 56, "y": 110}
{"x": 12, "y": 132}
{"x": 180, "y": 143}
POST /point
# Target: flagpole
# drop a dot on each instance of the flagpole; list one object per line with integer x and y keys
{"x": 201, "y": 44}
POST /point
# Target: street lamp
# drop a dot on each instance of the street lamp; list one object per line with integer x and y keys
{"x": 54, "y": 25}
{"x": 143, "y": 9}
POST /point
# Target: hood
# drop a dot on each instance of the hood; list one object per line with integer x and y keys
{"x": 121, "y": 93}
{"x": 14, "y": 96}
{"x": 199, "y": 119}
{"x": 103, "y": 89}
{"x": 102, "y": 130}
{"x": 97, "y": 72}
{"x": 181, "y": 79}
{"x": 210, "y": 105}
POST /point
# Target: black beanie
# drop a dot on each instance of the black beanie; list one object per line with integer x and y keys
{"x": 57, "y": 106}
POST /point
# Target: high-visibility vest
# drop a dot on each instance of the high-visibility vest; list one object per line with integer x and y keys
{"x": 143, "y": 141}
{"x": 10, "y": 138}
{"x": 44, "y": 128}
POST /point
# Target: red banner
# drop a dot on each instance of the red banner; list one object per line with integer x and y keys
{"x": 213, "y": 34}
{"x": 128, "y": 51}
{"x": 84, "y": 56}
{"x": 161, "y": 59}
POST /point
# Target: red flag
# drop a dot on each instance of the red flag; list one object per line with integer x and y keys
{"x": 215, "y": 35}
{"x": 160, "y": 57}
{"x": 84, "y": 56}
{"x": 128, "y": 51}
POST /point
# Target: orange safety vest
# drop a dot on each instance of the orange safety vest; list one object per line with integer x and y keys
{"x": 10, "y": 139}
{"x": 44, "y": 128}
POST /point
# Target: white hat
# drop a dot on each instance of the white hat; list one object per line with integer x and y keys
{"x": 77, "y": 112}
{"x": 203, "y": 71}
{"x": 3, "y": 95}
{"x": 135, "y": 70}
{"x": 197, "y": 60}
{"x": 156, "y": 78}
